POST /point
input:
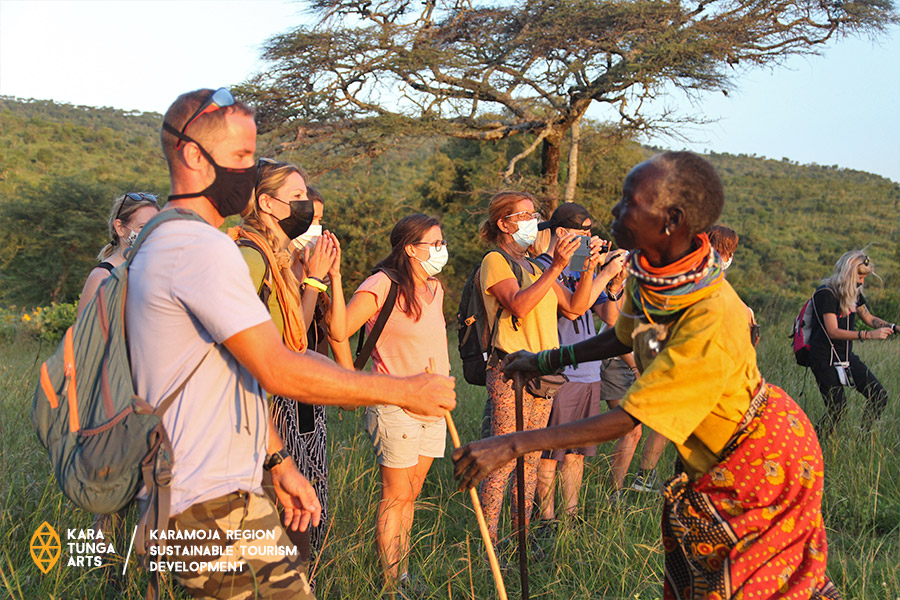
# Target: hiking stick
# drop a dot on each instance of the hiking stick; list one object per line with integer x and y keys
{"x": 476, "y": 505}
{"x": 518, "y": 385}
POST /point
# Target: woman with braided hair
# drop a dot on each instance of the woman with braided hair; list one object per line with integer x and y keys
{"x": 278, "y": 212}
{"x": 742, "y": 518}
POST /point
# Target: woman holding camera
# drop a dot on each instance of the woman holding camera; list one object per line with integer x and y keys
{"x": 527, "y": 320}
{"x": 836, "y": 304}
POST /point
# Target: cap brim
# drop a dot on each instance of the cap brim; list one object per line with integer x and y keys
{"x": 545, "y": 225}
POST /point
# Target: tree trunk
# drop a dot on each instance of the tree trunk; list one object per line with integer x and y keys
{"x": 550, "y": 172}
{"x": 572, "y": 174}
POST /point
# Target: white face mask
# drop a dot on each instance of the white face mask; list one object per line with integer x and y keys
{"x": 727, "y": 263}
{"x": 132, "y": 236}
{"x": 309, "y": 238}
{"x": 436, "y": 260}
{"x": 527, "y": 233}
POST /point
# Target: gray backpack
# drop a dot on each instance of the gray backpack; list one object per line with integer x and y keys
{"x": 103, "y": 440}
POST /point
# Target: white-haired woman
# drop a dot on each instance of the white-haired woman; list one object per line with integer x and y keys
{"x": 837, "y": 303}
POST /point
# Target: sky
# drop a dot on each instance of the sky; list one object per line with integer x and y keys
{"x": 841, "y": 108}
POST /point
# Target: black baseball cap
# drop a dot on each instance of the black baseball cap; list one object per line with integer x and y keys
{"x": 568, "y": 215}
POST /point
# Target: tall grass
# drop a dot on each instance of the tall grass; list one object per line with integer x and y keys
{"x": 614, "y": 552}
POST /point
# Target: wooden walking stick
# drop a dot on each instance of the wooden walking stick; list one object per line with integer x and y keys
{"x": 518, "y": 386}
{"x": 476, "y": 505}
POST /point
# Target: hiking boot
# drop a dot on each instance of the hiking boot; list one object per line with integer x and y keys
{"x": 646, "y": 480}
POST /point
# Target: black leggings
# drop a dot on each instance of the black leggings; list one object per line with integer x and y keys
{"x": 835, "y": 399}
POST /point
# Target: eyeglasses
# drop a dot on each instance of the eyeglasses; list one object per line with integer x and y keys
{"x": 527, "y": 215}
{"x": 437, "y": 245}
{"x": 866, "y": 261}
{"x": 218, "y": 99}
{"x": 136, "y": 197}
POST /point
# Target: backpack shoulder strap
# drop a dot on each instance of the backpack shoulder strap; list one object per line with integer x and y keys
{"x": 264, "y": 290}
{"x": 172, "y": 214}
{"x": 812, "y": 301}
{"x": 364, "y": 351}
{"x": 520, "y": 278}
{"x": 516, "y": 267}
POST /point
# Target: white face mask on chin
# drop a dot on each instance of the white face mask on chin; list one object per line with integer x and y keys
{"x": 527, "y": 233}
{"x": 309, "y": 238}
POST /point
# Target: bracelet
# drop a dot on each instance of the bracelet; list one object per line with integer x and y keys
{"x": 615, "y": 297}
{"x": 545, "y": 362}
{"x": 315, "y": 283}
{"x": 859, "y": 335}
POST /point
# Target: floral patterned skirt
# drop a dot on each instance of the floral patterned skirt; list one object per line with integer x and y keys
{"x": 751, "y": 527}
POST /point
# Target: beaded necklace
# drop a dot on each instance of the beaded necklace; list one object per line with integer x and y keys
{"x": 664, "y": 291}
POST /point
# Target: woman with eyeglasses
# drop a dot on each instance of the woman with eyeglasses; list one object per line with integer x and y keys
{"x": 280, "y": 211}
{"x": 414, "y": 338}
{"x": 528, "y": 319}
{"x": 130, "y": 212}
{"x": 836, "y": 304}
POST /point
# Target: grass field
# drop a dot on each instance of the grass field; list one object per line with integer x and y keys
{"x": 613, "y": 553}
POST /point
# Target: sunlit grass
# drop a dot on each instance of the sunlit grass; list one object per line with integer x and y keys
{"x": 615, "y": 552}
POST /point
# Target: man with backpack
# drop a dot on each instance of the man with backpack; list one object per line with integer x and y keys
{"x": 194, "y": 320}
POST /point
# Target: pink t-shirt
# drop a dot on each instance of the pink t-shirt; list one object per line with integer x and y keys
{"x": 405, "y": 346}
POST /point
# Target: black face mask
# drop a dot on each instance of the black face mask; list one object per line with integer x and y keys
{"x": 301, "y": 217}
{"x": 230, "y": 190}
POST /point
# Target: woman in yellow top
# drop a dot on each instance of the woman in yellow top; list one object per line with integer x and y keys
{"x": 279, "y": 211}
{"x": 743, "y": 519}
{"x": 527, "y": 321}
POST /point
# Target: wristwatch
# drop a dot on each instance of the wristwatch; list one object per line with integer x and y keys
{"x": 273, "y": 460}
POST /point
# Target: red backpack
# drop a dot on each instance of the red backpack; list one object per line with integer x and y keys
{"x": 802, "y": 329}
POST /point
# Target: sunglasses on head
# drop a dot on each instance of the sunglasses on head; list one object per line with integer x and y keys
{"x": 216, "y": 100}
{"x": 263, "y": 161}
{"x": 136, "y": 197}
{"x": 866, "y": 261}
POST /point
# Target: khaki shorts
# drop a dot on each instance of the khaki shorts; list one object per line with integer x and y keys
{"x": 616, "y": 377}
{"x": 399, "y": 439}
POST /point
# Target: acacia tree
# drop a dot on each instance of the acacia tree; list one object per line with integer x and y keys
{"x": 371, "y": 71}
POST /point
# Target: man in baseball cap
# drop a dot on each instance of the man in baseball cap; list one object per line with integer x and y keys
{"x": 569, "y": 216}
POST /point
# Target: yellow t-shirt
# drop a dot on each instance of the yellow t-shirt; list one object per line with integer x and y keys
{"x": 537, "y": 330}
{"x": 698, "y": 389}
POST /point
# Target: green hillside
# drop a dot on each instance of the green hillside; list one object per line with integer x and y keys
{"x": 62, "y": 165}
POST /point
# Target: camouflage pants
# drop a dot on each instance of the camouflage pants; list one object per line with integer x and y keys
{"x": 249, "y": 556}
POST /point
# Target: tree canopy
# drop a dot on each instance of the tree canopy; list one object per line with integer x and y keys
{"x": 372, "y": 71}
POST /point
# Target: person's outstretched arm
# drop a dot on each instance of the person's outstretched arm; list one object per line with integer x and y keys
{"x": 476, "y": 459}
{"x": 599, "y": 347}
{"x": 315, "y": 379}
{"x": 881, "y": 328}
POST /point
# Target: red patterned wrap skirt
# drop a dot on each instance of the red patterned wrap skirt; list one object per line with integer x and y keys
{"x": 751, "y": 527}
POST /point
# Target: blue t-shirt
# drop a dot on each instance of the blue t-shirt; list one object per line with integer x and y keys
{"x": 582, "y": 328}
